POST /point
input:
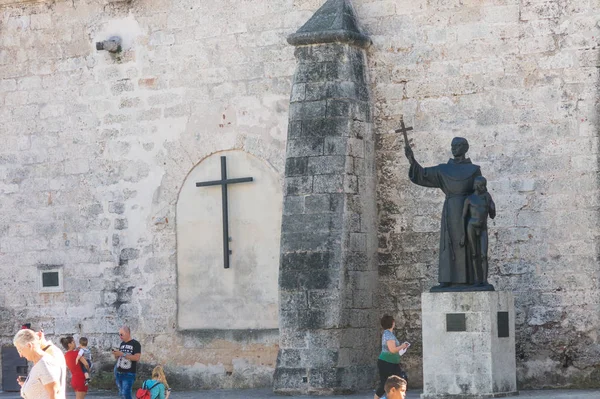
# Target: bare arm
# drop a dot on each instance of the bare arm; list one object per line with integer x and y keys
{"x": 133, "y": 358}
{"x": 391, "y": 344}
{"x": 85, "y": 363}
{"x": 53, "y": 388}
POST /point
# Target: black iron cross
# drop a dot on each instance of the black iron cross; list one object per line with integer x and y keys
{"x": 404, "y": 129}
{"x": 223, "y": 183}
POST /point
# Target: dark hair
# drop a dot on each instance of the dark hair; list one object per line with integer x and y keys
{"x": 65, "y": 341}
{"x": 387, "y": 322}
{"x": 83, "y": 341}
{"x": 393, "y": 381}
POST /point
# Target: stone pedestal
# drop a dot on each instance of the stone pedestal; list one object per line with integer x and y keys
{"x": 468, "y": 345}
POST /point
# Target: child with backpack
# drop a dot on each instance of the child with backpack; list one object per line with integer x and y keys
{"x": 155, "y": 388}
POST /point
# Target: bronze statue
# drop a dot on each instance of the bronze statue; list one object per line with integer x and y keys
{"x": 478, "y": 206}
{"x": 455, "y": 179}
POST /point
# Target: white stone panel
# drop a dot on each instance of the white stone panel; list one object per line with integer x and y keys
{"x": 245, "y": 296}
{"x": 474, "y": 363}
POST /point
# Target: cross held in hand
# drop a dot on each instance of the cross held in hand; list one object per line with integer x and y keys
{"x": 404, "y": 129}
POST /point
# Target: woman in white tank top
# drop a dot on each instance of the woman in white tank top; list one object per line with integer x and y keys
{"x": 44, "y": 379}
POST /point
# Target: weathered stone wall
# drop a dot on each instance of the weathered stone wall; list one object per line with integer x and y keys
{"x": 95, "y": 149}
{"x": 518, "y": 79}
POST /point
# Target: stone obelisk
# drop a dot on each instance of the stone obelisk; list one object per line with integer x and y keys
{"x": 328, "y": 326}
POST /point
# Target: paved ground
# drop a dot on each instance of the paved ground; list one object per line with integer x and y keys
{"x": 268, "y": 394}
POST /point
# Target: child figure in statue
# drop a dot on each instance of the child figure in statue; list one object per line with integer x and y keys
{"x": 477, "y": 207}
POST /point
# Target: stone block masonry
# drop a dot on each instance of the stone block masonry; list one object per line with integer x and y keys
{"x": 95, "y": 149}
{"x": 518, "y": 80}
{"x": 327, "y": 271}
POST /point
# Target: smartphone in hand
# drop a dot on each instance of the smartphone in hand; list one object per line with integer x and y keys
{"x": 21, "y": 378}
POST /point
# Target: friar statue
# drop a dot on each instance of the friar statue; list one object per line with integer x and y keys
{"x": 455, "y": 179}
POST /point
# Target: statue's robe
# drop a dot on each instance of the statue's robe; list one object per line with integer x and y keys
{"x": 455, "y": 179}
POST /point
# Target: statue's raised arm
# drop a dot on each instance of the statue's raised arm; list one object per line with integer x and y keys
{"x": 409, "y": 154}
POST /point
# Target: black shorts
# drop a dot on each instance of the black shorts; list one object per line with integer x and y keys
{"x": 387, "y": 369}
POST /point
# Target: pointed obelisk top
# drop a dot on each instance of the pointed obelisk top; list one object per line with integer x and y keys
{"x": 334, "y": 22}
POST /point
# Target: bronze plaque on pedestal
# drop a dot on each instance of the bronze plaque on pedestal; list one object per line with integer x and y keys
{"x": 503, "y": 327}
{"x": 456, "y": 322}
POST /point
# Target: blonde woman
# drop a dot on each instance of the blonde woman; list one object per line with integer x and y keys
{"x": 44, "y": 379}
{"x": 158, "y": 386}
